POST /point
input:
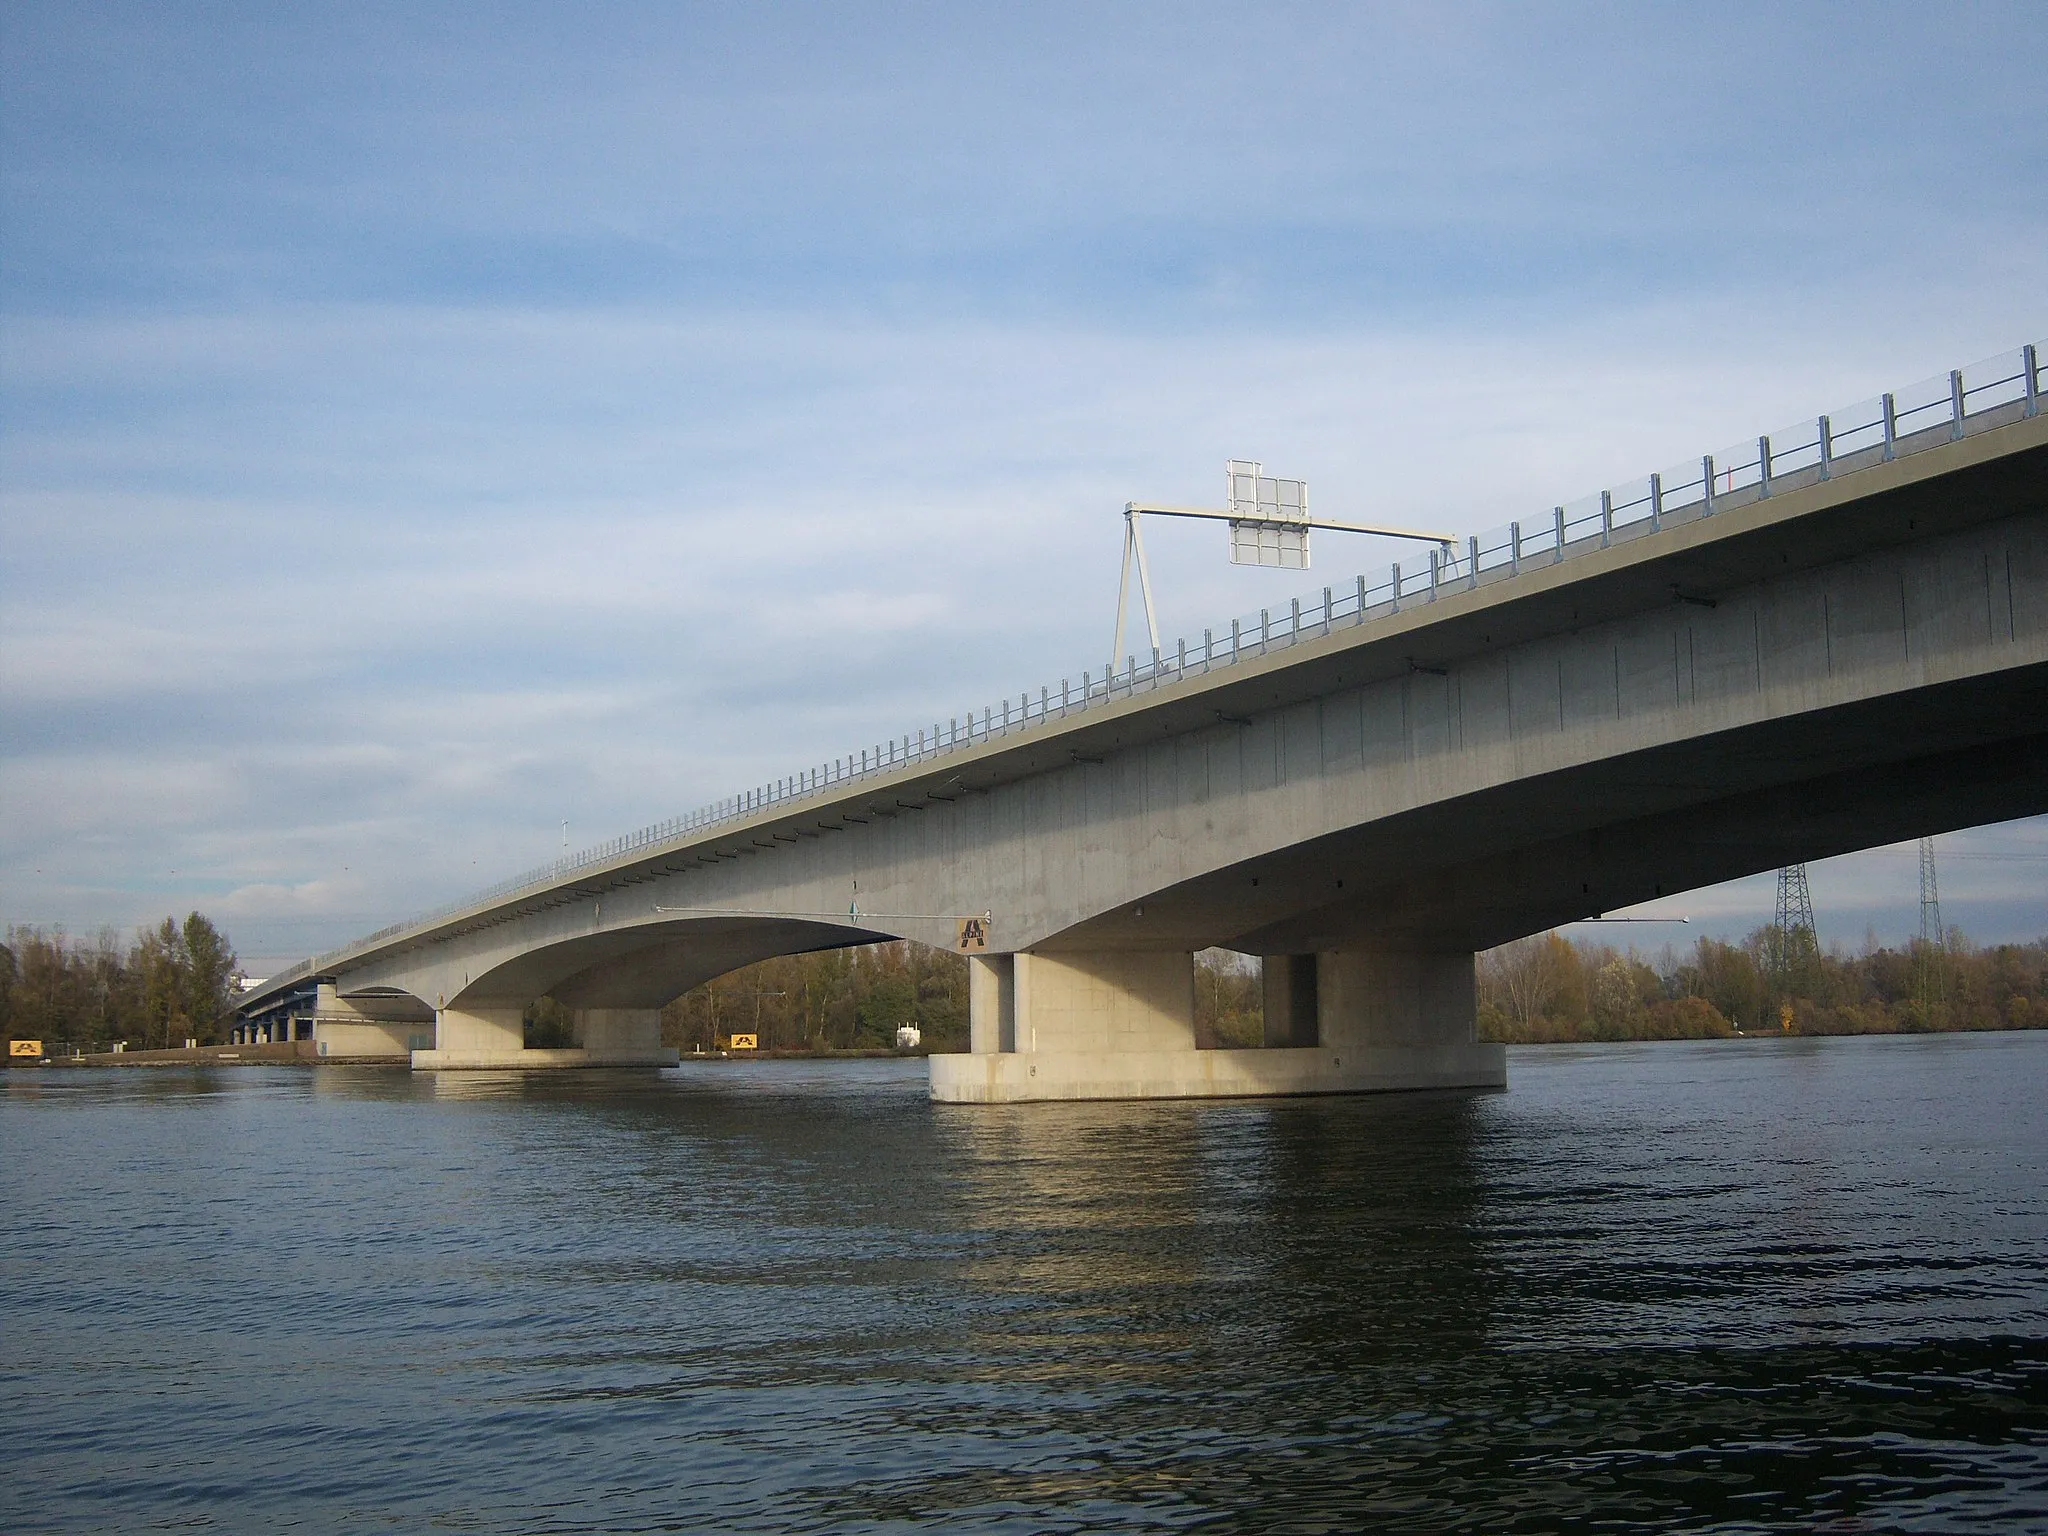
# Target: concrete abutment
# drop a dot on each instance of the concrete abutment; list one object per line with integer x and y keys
{"x": 1120, "y": 1025}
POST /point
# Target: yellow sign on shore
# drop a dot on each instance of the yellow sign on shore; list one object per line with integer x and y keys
{"x": 744, "y": 1043}
{"x": 30, "y": 1048}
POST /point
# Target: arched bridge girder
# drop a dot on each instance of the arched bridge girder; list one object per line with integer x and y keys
{"x": 665, "y": 960}
{"x": 1466, "y": 875}
{"x": 398, "y": 1000}
{"x": 645, "y": 963}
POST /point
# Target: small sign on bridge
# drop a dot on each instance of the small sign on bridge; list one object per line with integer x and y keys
{"x": 971, "y": 935}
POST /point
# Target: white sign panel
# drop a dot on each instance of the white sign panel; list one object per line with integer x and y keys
{"x": 1270, "y": 521}
{"x": 1258, "y": 497}
{"x": 1268, "y": 544}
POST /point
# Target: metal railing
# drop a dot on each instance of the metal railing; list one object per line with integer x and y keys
{"x": 1906, "y": 421}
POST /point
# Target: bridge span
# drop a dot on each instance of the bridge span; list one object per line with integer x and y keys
{"x": 1832, "y": 639}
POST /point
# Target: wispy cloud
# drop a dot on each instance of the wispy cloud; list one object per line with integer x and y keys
{"x": 418, "y": 433}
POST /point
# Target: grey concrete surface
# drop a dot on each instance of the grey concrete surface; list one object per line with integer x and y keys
{"x": 1841, "y": 664}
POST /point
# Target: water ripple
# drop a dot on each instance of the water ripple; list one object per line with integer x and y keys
{"x": 1737, "y": 1287}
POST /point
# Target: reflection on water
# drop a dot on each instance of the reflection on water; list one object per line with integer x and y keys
{"x": 1782, "y": 1285}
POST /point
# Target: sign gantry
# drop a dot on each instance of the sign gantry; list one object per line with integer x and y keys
{"x": 1269, "y": 525}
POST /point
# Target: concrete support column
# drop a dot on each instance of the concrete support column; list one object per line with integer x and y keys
{"x": 494, "y": 1035}
{"x": 1395, "y": 999}
{"x": 480, "y": 1035}
{"x": 991, "y": 1004}
{"x": 622, "y": 1037}
{"x": 1290, "y": 1000}
{"x": 1120, "y": 1025}
{"x": 1118, "y": 1001}
{"x": 1100, "y": 1025}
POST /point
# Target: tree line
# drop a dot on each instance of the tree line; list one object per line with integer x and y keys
{"x": 834, "y": 999}
{"x": 853, "y": 999}
{"x": 169, "y": 984}
{"x": 1548, "y": 988}
{"x": 177, "y": 981}
{"x": 1541, "y": 989}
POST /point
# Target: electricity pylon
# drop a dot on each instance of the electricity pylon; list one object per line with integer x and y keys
{"x": 1930, "y": 981}
{"x": 1797, "y": 956}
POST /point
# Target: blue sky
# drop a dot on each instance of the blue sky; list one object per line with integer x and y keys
{"x": 420, "y": 426}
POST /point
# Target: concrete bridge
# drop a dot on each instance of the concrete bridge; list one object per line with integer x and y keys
{"x": 1830, "y": 640}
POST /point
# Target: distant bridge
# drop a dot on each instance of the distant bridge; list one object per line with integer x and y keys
{"x": 1830, "y": 639}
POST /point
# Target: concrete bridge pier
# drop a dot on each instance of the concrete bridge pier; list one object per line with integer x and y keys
{"x": 492, "y": 1036}
{"x": 478, "y": 1035}
{"x": 376, "y": 1028}
{"x": 1120, "y": 1025}
{"x": 622, "y": 1037}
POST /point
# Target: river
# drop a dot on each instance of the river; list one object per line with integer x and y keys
{"x": 1728, "y": 1286}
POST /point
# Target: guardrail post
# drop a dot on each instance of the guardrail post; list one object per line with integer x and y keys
{"x": 1435, "y": 569}
{"x": 1235, "y": 640}
{"x": 1361, "y": 601}
{"x": 1326, "y": 610}
{"x": 1558, "y": 553}
{"x": 1955, "y": 404}
{"x": 2030, "y": 366}
{"x": 1397, "y": 586}
{"x": 1180, "y": 663}
{"x": 1606, "y": 518}
{"x": 1656, "y": 502}
{"x": 1515, "y": 547}
{"x": 1208, "y": 648}
{"x": 1763, "y": 466}
{"x": 1824, "y": 430}
{"x": 1472, "y": 552}
{"x": 1890, "y": 406}
{"x": 1265, "y": 629}
{"x": 1706, "y": 485}
{"x": 1294, "y": 623}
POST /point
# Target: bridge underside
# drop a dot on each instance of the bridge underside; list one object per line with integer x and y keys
{"x": 1470, "y": 873}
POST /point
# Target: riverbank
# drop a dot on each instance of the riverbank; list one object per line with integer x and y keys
{"x": 302, "y": 1053}
{"x": 305, "y": 1053}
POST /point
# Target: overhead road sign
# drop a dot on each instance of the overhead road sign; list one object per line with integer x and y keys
{"x": 1269, "y": 525}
